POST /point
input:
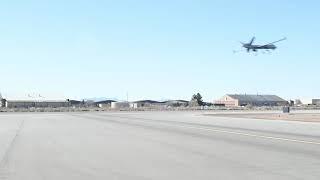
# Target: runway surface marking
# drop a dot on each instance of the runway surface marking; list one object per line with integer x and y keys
{"x": 237, "y": 133}
{"x": 254, "y": 135}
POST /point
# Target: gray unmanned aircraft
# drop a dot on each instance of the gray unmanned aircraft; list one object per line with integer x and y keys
{"x": 270, "y": 46}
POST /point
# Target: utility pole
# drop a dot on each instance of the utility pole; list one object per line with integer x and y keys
{"x": 127, "y": 97}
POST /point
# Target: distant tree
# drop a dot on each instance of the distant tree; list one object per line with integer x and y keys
{"x": 196, "y": 100}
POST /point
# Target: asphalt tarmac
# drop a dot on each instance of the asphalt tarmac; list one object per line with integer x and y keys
{"x": 155, "y": 145}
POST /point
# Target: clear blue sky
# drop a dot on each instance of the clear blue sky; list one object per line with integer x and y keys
{"x": 157, "y": 49}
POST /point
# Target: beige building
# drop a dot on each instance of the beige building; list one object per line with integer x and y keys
{"x": 227, "y": 101}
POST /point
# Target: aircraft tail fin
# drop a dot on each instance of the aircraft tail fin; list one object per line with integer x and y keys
{"x": 252, "y": 40}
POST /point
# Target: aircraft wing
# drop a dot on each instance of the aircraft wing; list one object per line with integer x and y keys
{"x": 273, "y": 42}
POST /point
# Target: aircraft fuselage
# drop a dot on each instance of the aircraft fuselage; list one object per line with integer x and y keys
{"x": 256, "y": 47}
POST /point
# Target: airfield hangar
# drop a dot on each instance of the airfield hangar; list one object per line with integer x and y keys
{"x": 158, "y": 104}
{"x": 104, "y": 103}
{"x": 33, "y": 104}
{"x": 233, "y": 100}
{"x": 120, "y": 105}
{"x": 316, "y": 102}
{"x": 145, "y": 104}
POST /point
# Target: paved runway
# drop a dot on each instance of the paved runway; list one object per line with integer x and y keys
{"x": 155, "y": 145}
